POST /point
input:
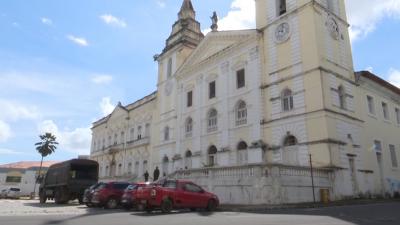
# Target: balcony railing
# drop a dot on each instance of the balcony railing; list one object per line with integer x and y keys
{"x": 138, "y": 142}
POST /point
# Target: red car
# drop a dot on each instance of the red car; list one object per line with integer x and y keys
{"x": 128, "y": 200}
{"x": 109, "y": 194}
{"x": 175, "y": 194}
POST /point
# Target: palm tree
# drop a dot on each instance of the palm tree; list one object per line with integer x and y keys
{"x": 45, "y": 147}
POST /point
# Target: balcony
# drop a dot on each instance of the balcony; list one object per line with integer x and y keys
{"x": 138, "y": 142}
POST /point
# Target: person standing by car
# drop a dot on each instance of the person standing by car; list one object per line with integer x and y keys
{"x": 156, "y": 173}
{"x": 146, "y": 176}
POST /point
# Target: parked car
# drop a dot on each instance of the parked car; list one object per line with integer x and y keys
{"x": 11, "y": 193}
{"x": 109, "y": 194}
{"x": 128, "y": 200}
{"x": 175, "y": 194}
{"x": 87, "y": 195}
{"x": 68, "y": 180}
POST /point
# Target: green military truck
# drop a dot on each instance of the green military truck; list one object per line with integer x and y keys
{"x": 68, "y": 180}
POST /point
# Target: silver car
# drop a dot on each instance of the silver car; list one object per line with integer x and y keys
{"x": 3, "y": 193}
{"x": 13, "y": 193}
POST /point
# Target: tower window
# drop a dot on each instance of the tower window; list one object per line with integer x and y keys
{"x": 371, "y": 105}
{"x": 287, "y": 100}
{"x": 211, "y": 91}
{"x": 281, "y": 7}
{"x": 169, "y": 68}
{"x": 240, "y": 78}
{"x": 189, "y": 98}
{"x": 342, "y": 97}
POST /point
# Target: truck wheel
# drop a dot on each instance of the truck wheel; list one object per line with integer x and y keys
{"x": 112, "y": 203}
{"x": 166, "y": 206}
{"x": 149, "y": 209}
{"x": 42, "y": 196}
{"x": 57, "y": 196}
{"x": 80, "y": 200}
{"x": 212, "y": 205}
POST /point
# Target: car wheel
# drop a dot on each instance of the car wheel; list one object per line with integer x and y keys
{"x": 212, "y": 205}
{"x": 80, "y": 200}
{"x": 112, "y": 203}
{"x": 89, "y": 205}
{"x": 128, "y": 207}
{"x": 149, "y": 209}
{"x": 193, "y": 209}
{"x": 57, "y": 196}
{"x": 166, "y": 206}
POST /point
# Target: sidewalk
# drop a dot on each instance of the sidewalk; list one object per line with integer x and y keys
{"x": 258, "y": 208}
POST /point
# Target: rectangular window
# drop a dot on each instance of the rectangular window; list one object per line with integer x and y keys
{"x": 211, "y": 91}
{"x": 281, "y": 7}
{"x": 385, "y": 110}
{"x": 371, "y": 105}
{"x": 397, "y": 115}
{"x": 240, "y": 78}
{"x": 393, "y": 156}
{"x": 190, "y": 99}
{"x": 329, "y": 5}
{"x": 377, "y": 146}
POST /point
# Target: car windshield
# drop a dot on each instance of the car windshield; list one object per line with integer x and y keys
{"x": 83, "y": 172}
{"x": 120, "y": 186}
{"x": 131, "y": 187}
{"x": 101, "y": 186}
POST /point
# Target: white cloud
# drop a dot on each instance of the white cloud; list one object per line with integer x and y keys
{"x": 5, "y": 151}
{"x": 106, "y": 106}
{"x": 394, "y": 77}
{"x": 161, "y": 3}
{"x": 102, "y": 79}
{"x": 241, "y": 16}
{"x": 112, "y": 20}
{"x": 370, "y": 69}
{"x": 77, "y": 141}
{"x": 5, "y": 131}
{"x": 78, "y": 40}
{"x": 14, "y": 111}
{"x": 363, "y": 17}
{"x": 46, "y": 21}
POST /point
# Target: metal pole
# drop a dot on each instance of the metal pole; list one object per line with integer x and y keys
{"x": 312, "y": 178}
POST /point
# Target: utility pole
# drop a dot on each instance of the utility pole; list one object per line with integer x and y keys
{"x": 312, "y": 178}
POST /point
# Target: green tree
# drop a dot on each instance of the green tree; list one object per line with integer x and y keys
{"x": 45, "y": 147}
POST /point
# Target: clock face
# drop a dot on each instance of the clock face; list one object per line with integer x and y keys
{"x": 282, "y": 32}
{"x": 333, "y": 28}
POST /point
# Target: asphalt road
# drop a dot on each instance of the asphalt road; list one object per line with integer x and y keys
{"x": 383, "y": 213}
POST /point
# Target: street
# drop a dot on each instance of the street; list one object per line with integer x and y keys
{"x": 26, "y": 212}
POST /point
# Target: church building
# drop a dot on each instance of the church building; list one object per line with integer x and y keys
{"x": 269, "y": 115}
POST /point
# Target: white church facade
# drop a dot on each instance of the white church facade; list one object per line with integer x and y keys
{"x": 243, "y": 112}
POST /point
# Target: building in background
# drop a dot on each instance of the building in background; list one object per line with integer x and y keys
{"x": 22, "y": 175}
{"x": 244, "y": 112}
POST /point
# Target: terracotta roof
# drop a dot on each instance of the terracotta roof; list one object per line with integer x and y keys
{"x": 379, "y": 81}
{"x": 27, "y": 164}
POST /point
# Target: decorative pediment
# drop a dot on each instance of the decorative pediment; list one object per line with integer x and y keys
{"x": 215, "y": 44}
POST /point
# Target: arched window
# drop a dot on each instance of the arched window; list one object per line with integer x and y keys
{"x": 290, "y": 140}
{"x": 122, "y": 137}
{"x": 188, "y": 127}
{"x": 120, "y": 172}
{"x": 137, "y": 168}
{"x": 281, "y": 7}
{"x": 166, "y": 133}
{"x": 242, "y": 153}
{"x": 241, "y": 113}
{"x": 107, "y": 171}
{"x": 109, "y": 141}
{"x": 287, "y": 100}
{"x": 145, "y": 166}
{"x": 165, "y": 164}
{"x": 212, "y": 156}
{"x": 212, "y": 120}
{"x": 290, "y": 154}
{"x": 139, "y": 132}
{"x": 342, "y": 97}
{"x": 188, "y": 159}
{"x": 104, "y": 144}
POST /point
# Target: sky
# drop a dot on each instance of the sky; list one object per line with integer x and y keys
{"x": 65, "y": 64}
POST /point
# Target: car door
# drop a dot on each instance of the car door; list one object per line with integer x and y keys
{"x": 194, "y": 196}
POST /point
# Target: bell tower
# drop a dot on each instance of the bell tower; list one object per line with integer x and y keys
{"x": 308, "y": 79}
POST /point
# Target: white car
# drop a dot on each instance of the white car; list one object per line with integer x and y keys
{"x": 13, "y": 193}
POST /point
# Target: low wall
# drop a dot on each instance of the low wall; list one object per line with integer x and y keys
{"x": 260, "y": 184}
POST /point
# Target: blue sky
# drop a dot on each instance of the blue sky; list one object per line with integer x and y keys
{"x": 64, "y": 64}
